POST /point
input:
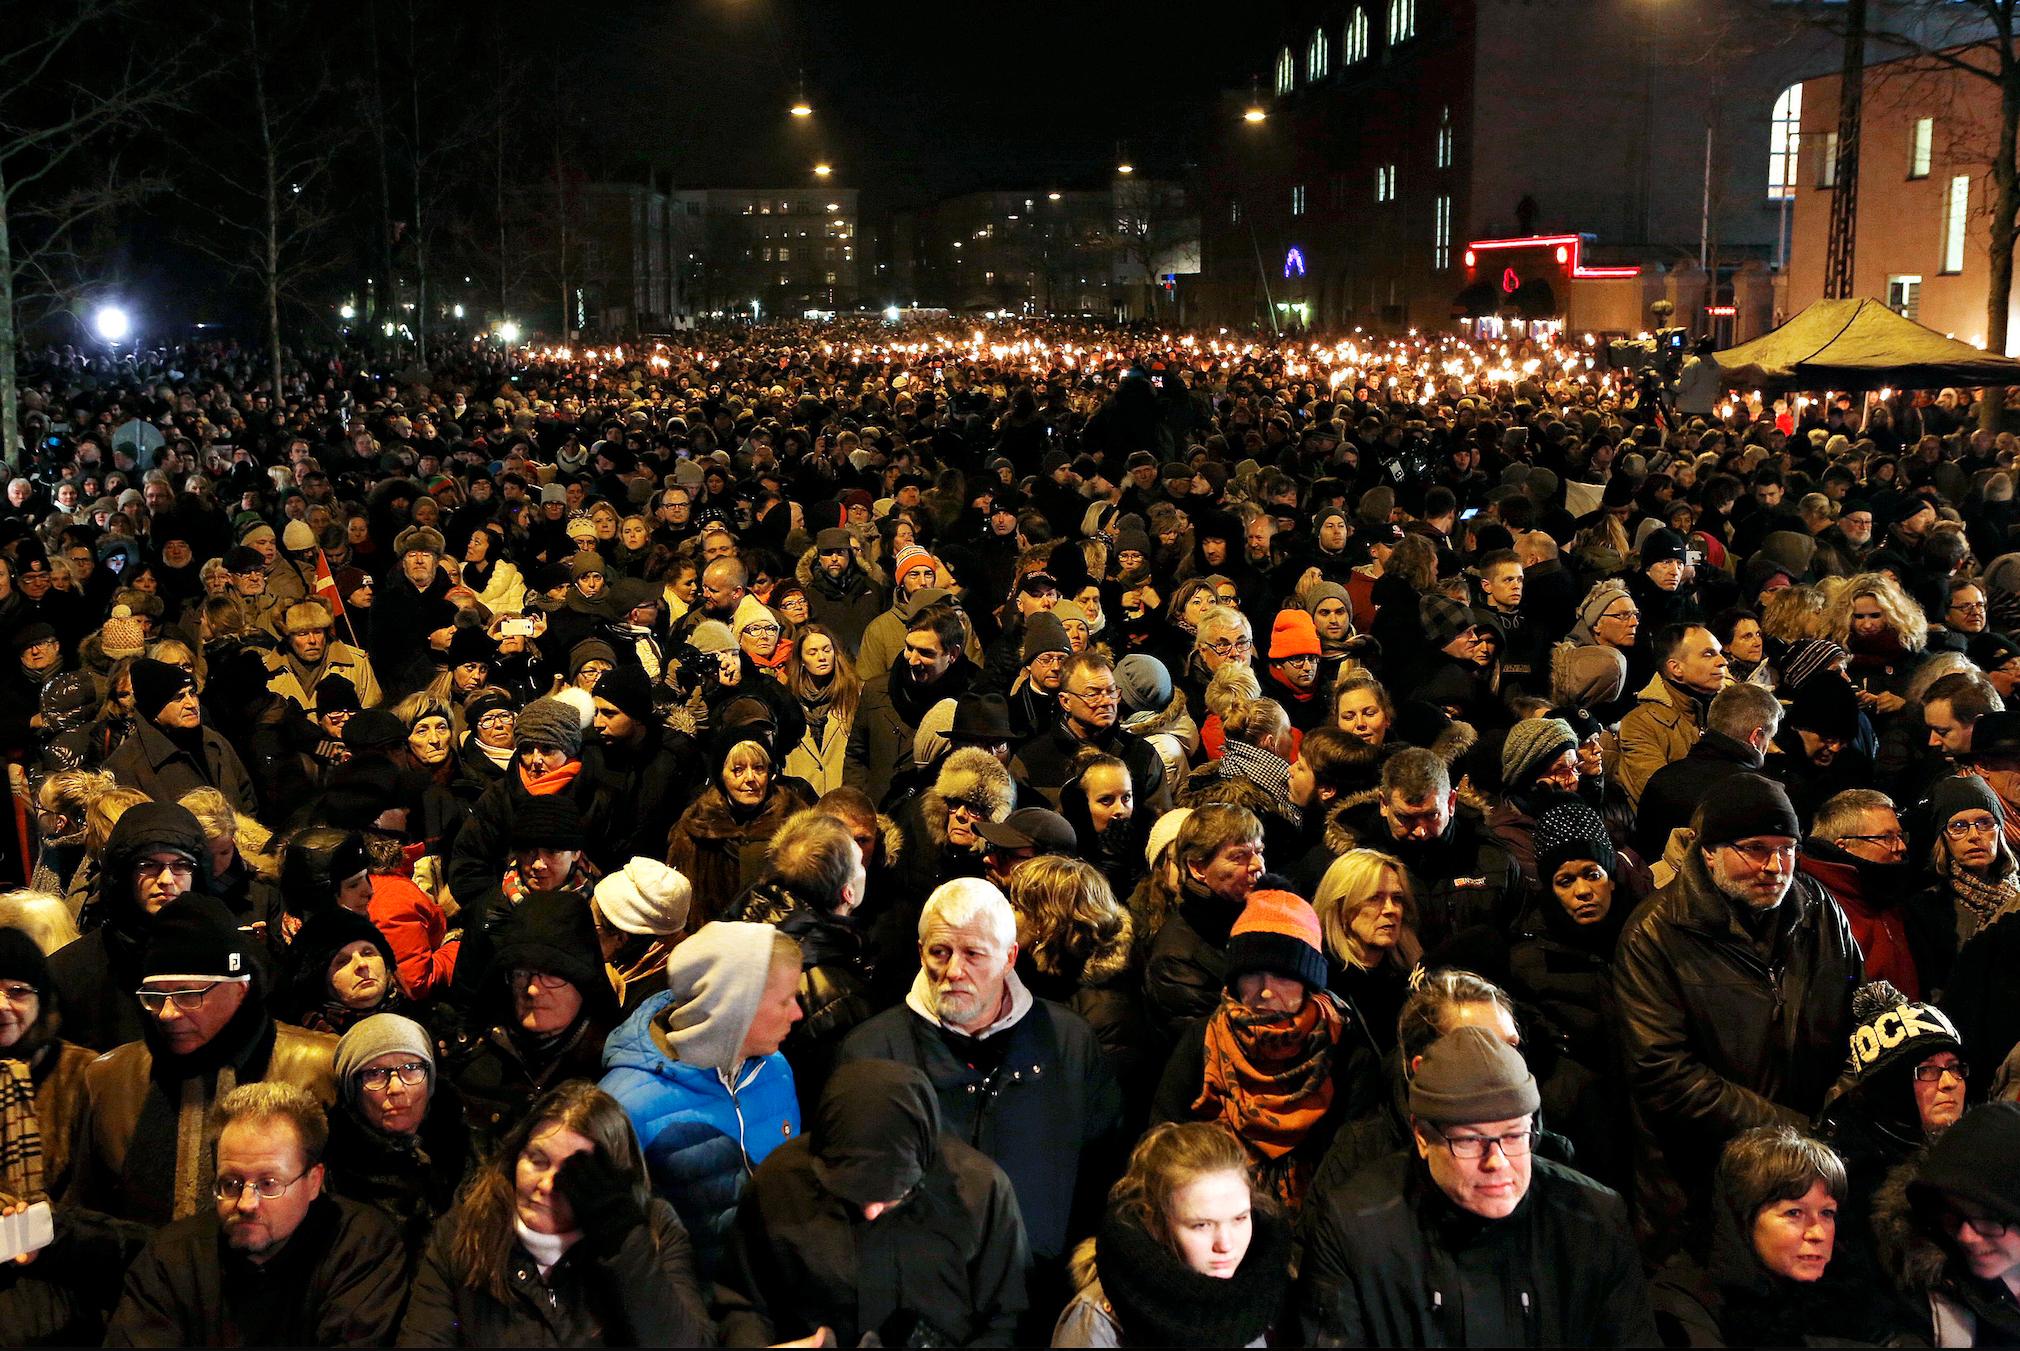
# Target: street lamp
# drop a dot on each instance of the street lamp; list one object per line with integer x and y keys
{"x": 823, "y": 169}
{"x": 347, "y": 311}
{"x": 508, "y": 333}
{"x": 1255, "y": 112}
{"x": 112, "y": 323}
{"x": 1051, "y": 196}
{"x": 800, "y": 106}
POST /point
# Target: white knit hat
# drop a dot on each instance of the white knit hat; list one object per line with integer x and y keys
{"x": 1163, "y": 832}
{"x": 646, "y": 898}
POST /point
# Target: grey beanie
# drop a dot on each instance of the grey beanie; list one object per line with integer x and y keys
{"x": 1144, "y": 683}
{"x": 1531, "y": 745}
{"x": 370, "y": 1038}
{"x": 549, "y": 722}
{"x": 717, "y": 977}
{"x": 1470, "y": 1075}
{"x": 1043, "y": 632}
{"x": 712, "y": 635}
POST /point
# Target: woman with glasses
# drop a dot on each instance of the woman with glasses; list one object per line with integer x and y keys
{"x": 492, "y": 714}
{"x": 1977, "y": 873}
{"x": 396, "y": 1135}
{"x": 1949, "y": 1234}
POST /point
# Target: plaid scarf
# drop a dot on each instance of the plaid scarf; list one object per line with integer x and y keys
{"x": 1269, "y": 1079}
{"x": 20, "y": 1134}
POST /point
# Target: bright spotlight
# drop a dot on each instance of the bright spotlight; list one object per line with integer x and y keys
{"x": 457, "y": 311}
{"x": 508, "y": 332}
{"x": 347, "y": 310}
{"x": 112, "y": 323}
{"x": 891, "y": 313}
{"x": 823, "y": 169}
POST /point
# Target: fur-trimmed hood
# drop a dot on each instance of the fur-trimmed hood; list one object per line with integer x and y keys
{"x": 1108, "y": 963}
{"x": 971, "y": 773}
{"x": 1341, "y": 837}
{"x": 1172, "y": 719}
{"x": 1910, "y": 1257}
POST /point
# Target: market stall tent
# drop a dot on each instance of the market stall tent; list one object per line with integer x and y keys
{"x": 1858, "y": 344}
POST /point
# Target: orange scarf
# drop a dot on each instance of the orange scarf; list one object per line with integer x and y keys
{"x": 552, "y": 782}
{"x": 1269, "y": 1079}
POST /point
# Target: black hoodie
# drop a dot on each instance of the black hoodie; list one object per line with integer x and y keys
{"x": 97, "y": 975}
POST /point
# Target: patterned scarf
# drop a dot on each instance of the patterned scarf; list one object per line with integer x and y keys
{"x": 20, "y": 1134}
{"x": 1269, "y": 1079}
{"x": 1983, "y": 899}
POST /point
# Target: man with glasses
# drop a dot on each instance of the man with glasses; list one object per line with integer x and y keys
{"x": 274, "y": 1259}
{"x": 931, "y": 667}
{"x": 1090, "y": 703}
{"x": 142, "y": 1150}
{"x": 1512, "y": 1250}
{"x": 1857, "y": 852}
{"x": 170, "y": 752}
{"x": 1033, "y": 699}
{"x": 1732, "y": 998}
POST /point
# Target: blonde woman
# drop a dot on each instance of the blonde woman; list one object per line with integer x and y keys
{"x": 1075, "y": 944}
{"x": 1369, "y": 919}
{"x": 1189, "y": 1253}
{"x": 1885, "y": 633}
{"x": 238, "y": 845}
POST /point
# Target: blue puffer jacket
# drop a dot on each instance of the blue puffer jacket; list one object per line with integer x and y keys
{"x": 701, "y": 1139}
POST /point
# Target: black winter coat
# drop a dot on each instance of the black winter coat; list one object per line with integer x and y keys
{"x": 1389, "y": 1261}
{"x": 339, "y": 1281}
{"x": 1187, "y": 967}
{"x": 1719, "y": 1033}
{"x": 1461, "y": 879}
{"x": 484, "y": 842}
{"x": 835, "y": 979}
{"x": 1050, "y": 1115}
{"x": 644, "y": 1294}
{"x": 1672, "y": 793}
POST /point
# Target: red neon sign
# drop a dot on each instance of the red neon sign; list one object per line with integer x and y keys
{"x": 1568, "y": 246}
{"x": 1721, "y": 311}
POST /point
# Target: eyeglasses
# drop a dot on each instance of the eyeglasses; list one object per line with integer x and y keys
{"x": 1513, "y": 1145}
{"x": 1760, "y": 855}
{"x": 1957, "y": 830}
{"x": 1892, "y": 839}
{"x": 499, "y": 719}
{"x": 1228, "y": 647}
{"x": 1306, "y": 660}
{"x": 1953, "y": 1220}
{"x": 1621, "y": 614}
{"x": 18, "y": 995}
{"x": 545, "y": 980}
{"x": 148, "y": 869}
{"x": 762, "y": 630}
{"x": 410, "y": 1073}
{"x": 1095, "y": 698}
{"x": 964, "y": 807}
{"x": 228, "y": 1188}
{"x": 1970, "y": 608}
{"x": 189, "y": 1001}
{"x": 1933, "y": 1074}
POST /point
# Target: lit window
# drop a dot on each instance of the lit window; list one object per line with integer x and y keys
{"x": 1354, "y": 45}
{"x": 1402, "y": 20}
{"x": 1317, "y": 56}
{"x": 1234, "y": 213}
{"x": 1957, "y": 208}
{"x": 1904, "y": 296}
{"x": 1441, "y": 241}
{"x": 831, "y": 279}
{"x": 1298, "y": 200}
{"x": 1287, "y": 71}
{"x": 785, "y": 254}
{"x": 1385, "y": 182}
{"x": 1922, "y": 145}
{"x": 768, "y": 255}
{"x": 1784, "y": 134}
{"x": 1827, "y": 162}
{"x": 1445, "y": 139}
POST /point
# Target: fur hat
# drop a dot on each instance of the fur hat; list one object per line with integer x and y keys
{"x": 975, "y": 775}
{"x": 307, "y": 616}
{"x": 417, "y": 538}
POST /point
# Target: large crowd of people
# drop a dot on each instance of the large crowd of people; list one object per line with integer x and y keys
{"x": 849, "y": 835}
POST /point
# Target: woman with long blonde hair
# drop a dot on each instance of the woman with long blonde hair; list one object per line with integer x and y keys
{"x": 1885, "y": 632}
{"x": 1189, "y": 1253}
{"x": 1369, "y": 918}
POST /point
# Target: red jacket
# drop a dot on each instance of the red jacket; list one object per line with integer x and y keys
{"x": 416, "y": 928}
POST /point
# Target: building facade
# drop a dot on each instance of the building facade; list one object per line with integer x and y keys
{"x": 1928, "y": 138}
{"x": 769, "y": 251}
{"x": 1399, "y": 132}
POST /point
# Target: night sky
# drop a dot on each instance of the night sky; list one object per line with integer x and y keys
{"x": 913, "y": 101}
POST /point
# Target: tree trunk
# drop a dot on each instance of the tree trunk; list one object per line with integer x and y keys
{"x": 414, "y": 161}
{"x": 270, "y": 272}
{"x": 386, "y": 297}
{"x": 2005, "y": 212}
{"x": 10, "y": 390}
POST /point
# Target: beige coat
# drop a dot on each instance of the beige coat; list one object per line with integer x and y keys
{"x": 1661, "y": 728}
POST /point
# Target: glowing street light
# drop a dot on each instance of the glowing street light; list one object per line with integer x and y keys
{"x": 457, "y": 311}
{"x": 508, "y": 332}
{"x": 1255, "y": 112}
{"x": 112, "y": 323}
{"x": 347, "y": 310}
{"x": 823, "y": 169}
{"x": 1051, "y": 196}
{"x": 800, "y": 106}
